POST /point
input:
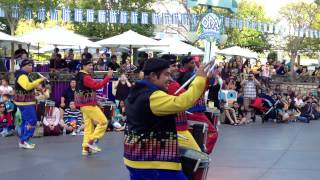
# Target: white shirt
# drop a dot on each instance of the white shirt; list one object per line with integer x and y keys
{"x": 6, "y": 90}
{"x": 54, "y": 119}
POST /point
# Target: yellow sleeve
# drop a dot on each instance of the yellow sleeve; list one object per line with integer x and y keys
{"x": 162, "y": 104}
{"x": 24, "y": 82}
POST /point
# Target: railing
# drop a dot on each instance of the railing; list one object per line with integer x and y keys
{"x": 297, "y": 79}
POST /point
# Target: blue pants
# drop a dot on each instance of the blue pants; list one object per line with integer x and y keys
{"x": 29, "y": 121}
{"x": 155, "y": 174}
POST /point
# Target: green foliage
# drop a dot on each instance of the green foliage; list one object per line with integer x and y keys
{"x": 273, "y": 55}
{"x": 301, "y": 15}
{"x": 107, "y": 30}
{"x": 249, "y": 38}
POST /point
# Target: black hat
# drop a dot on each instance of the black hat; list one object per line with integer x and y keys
{"x": 172, "y": 59}
{"x": 26, "y": 62}
{"x": 186, "y": 60}
{"x": 155, "y": 65}
{"x": 86, "y": 62}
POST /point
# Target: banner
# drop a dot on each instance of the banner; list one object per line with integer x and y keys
{"x": 189, "y": 21}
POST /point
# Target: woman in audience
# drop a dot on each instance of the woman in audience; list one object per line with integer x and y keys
{"x": 51, "y": 122}
{"x": 122, "y": 87}
{"x": 5, "y": 88}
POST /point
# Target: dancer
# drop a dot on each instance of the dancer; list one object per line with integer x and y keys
{"x": 85, "y": 98}
{"x": 150, "y": 145}
{"x": 24, "y": 98}
{"x": 185, "y": 138}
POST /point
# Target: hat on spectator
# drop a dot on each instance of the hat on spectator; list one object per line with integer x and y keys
{"x": 85, "y": 62}
{"x": 172, "y": 59}
{"x": 155, "y": 65}
{"x": 26, "y": 62}
{"x": 186, "y": 60}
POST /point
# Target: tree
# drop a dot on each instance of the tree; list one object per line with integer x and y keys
{"x": 20, "y": 7}
{"x": 299, "y": 15}
{"x": 245, "y": 37}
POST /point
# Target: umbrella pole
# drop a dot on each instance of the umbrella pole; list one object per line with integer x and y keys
{"x": 131, "y": 54}
{"x": 38, "y": 51}
{"x": 210, "y": 50}
{"x": 28, "y": 45}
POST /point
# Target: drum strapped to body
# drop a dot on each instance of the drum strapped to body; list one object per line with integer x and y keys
{"x": 195, "y": 164}
{"x": 199, "y": 131}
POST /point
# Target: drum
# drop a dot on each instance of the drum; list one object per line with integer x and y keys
{"x": 199, "y": 131}
{"x": 195, "y": 164}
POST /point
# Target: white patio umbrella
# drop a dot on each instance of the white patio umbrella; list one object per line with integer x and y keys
{"x": 7, "y": 37}
{"x": 129, "y": 39}
{"x": 56, "y": 36}
{"x": 238, "y": 51}
{"x": 175, "y": 47}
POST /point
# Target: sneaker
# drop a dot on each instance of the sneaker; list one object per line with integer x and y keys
{"x": 74, "y": 133}
{"x": 93, "y": 146}
{"x": 25, "y": 145}
{"x": 86, "y": 151}
{"x": 31, "y": 143}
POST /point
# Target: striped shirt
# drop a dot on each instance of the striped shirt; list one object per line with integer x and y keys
{"x": 70, "y": 116}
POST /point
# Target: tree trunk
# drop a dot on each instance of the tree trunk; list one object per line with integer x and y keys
{"x": 12, "y": 67}
{"x": 293, "y": 56}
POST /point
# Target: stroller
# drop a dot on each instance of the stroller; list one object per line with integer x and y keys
{"x": 265, "y": 106}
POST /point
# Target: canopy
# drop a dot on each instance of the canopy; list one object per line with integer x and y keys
{"x": 175, "y": 47}
{"x": 7, "y": 37}
{"x": 129, "y": 38}
{"x": 56, "y": 36}
{"x": 238, "y": 51}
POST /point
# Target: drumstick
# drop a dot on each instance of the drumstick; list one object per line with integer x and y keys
{"x": 102, "y": 97}
{"x": 191, "y": 78}
{"x": 43, "y": 77}
{"x": 183, "y": 137}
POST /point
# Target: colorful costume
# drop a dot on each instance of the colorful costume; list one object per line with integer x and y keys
{"x": 85, "y": 98}
{"x": 151, "y": 142}
{"x": 24, "y": 98}
{"x": 186, "y": 139}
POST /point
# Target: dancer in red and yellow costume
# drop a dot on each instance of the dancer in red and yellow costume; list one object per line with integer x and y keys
{"x": 85, "y": 98}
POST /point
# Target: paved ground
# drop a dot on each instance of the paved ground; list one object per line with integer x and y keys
{"x": 269, "y": 152}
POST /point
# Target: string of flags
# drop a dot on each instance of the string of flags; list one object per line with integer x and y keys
{"x": 145, "y": 18}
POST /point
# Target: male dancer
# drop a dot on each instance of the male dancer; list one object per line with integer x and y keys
{"x": 185, "y": 138}
{"x": 24, "y": 98}
{"x": 150, "y": 145}
{"x": 85, "y": 98}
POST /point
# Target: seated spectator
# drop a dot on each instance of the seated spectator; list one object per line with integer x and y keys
{"x": 73, "y": 119}
{"x": 120, "y": 117}
{"x": 5, "y": 88}
{"x": 51, "y": 122}
{"x": 113, "y": 64}
{"x": 58, "y": 64}
{"x": 96, "y": 56}
{"x": 68, "y": 94}
{"x": 239, "y": 113}
{"x": 128, "y": 67}
{"x": 8, "y": 103}
{"x": 6, "y": 124}
{"x": 228, "y": 114}
{"x": 86, "y": 54}
{"x": 101, "y": 65}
